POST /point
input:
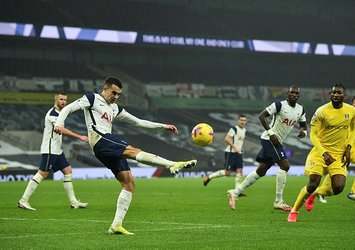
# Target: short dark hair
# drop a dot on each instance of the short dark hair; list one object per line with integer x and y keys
{"x": 352, "y": 100}
{"x": 241, "y": 116}
{"x": 339, "y": 85}
{"x": 293, "y": 87}
{"x": 113, "y": 80}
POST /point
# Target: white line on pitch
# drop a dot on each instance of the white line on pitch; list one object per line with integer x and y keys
{"x": 127, "y": 221}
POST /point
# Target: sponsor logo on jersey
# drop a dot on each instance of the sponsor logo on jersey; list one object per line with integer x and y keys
{"x": 337, "y": 127}
{"x": 106, "y": 117}
{"x": 288, "y": 122}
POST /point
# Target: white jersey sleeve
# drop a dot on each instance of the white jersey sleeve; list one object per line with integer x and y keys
{"x": 51, "y": 141}
{"x": 70, "y": 108}
{"x": 135, "y": 121}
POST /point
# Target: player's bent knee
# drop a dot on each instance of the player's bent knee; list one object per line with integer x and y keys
{"x": 311, "y": 187}
{"x": 338, "y": 189}
{"x": 261, "y": 172}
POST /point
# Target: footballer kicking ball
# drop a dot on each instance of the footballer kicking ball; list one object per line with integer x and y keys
{"x": 202, "y": 134}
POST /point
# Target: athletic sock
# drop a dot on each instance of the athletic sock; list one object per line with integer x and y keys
{"x": 248, "y": 181}
{"x": 217, "y": 174}
{"x": 31, "y": 187}
{"x": 238, "y": 180}
{"x": 123, "y": 202}
{"x": 69, "y": 189}
{"x": 280, "y": 185}
{"x": 326, "y": 188}
{"x": 353, "y": 188}
{"x": 151, "y": 159}
{"x": 301, "y": 199}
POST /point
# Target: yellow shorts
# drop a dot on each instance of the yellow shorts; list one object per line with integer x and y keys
{"x": 315, "y": 165}
{"x": 352, "y": 155}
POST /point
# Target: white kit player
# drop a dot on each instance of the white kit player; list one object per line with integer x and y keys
{"x": 284, "y": 114}
{"x": 233, "y": 153}
{"x": 53, "y": 158}
{"x": 100, "y": 110}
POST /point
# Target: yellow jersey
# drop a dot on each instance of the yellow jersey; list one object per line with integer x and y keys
{"x": 333, "y": 129}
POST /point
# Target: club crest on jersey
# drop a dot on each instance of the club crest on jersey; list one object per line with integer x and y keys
{"x": 347, "y": 116}
{"x": 288, "y": 122}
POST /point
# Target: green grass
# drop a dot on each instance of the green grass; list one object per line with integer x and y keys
{"x": 169, "y": 213}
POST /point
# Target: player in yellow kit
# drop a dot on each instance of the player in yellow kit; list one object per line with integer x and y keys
{"x": 324, "y": 189}
{"x": 332, "y": 135}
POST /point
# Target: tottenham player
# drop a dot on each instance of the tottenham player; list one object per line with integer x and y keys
{"x": 100, "y": 111}
{"x": 53, "y": 158}
{"x": 284, "y": 114}
{"x": 233, "y": 153}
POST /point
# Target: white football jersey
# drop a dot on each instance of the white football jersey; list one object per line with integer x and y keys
{"x": 238, "y": 135}
{"x": 284, "y": 118}
{"x": 51, "y": 141}
{"x": 99, "y": 116}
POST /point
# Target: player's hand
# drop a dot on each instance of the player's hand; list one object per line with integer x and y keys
{"x": 328, "y": 159}
{"x": 171, "y": 128}
{"x": 84, "y": 138}
{"x": 275, "y": 141}
{"x": 58, "y": 129}
{"x": 346, "y": 156}
{"x": 302, "y": 134}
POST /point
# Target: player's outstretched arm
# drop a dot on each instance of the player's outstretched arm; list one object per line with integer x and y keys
{"x": 137, "y": 122}
{"x": 74, "y": 135}
{"x": 59, "y": 124}
{"x": 171, "y": 128}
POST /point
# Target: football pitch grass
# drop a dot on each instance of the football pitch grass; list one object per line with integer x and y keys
{"x": 172, "y": 213}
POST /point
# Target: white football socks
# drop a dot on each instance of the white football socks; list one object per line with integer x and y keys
{"x": 248, "y": 181}
{"x": 151, "y": 159}
{"x": 68, "y": 187}
{"x": 123, "y": 202}
{"x": 238, "y": 180}
{"x": 31, "y": 187}
{"x": 280, "y": 185}
{"x": 217, "y": 174}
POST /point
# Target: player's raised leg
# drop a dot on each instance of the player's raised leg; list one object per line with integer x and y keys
{"x": 303, "y": 195}
{"x": 217, "y": 174}
{"x": 155, "y": 160}
{"x": 293, "y": 215}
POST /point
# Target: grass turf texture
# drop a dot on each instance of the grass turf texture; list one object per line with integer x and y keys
{"x": 170, "y": 213}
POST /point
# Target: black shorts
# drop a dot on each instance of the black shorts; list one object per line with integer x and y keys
{"x": 232, "y": 161}
{"x": 53, "y": 162}
{"x": 109, "y": 151}
{"x": 270, "y": 154}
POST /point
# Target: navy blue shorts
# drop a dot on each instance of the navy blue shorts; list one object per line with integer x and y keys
{"x": 269, "y": 154}
{"x": 232, "y": 161}
{"x": 53, "y": 162}
{"x": 109, "y": 150}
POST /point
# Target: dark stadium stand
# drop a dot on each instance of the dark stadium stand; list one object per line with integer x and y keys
{"x": 27, "y": 68}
